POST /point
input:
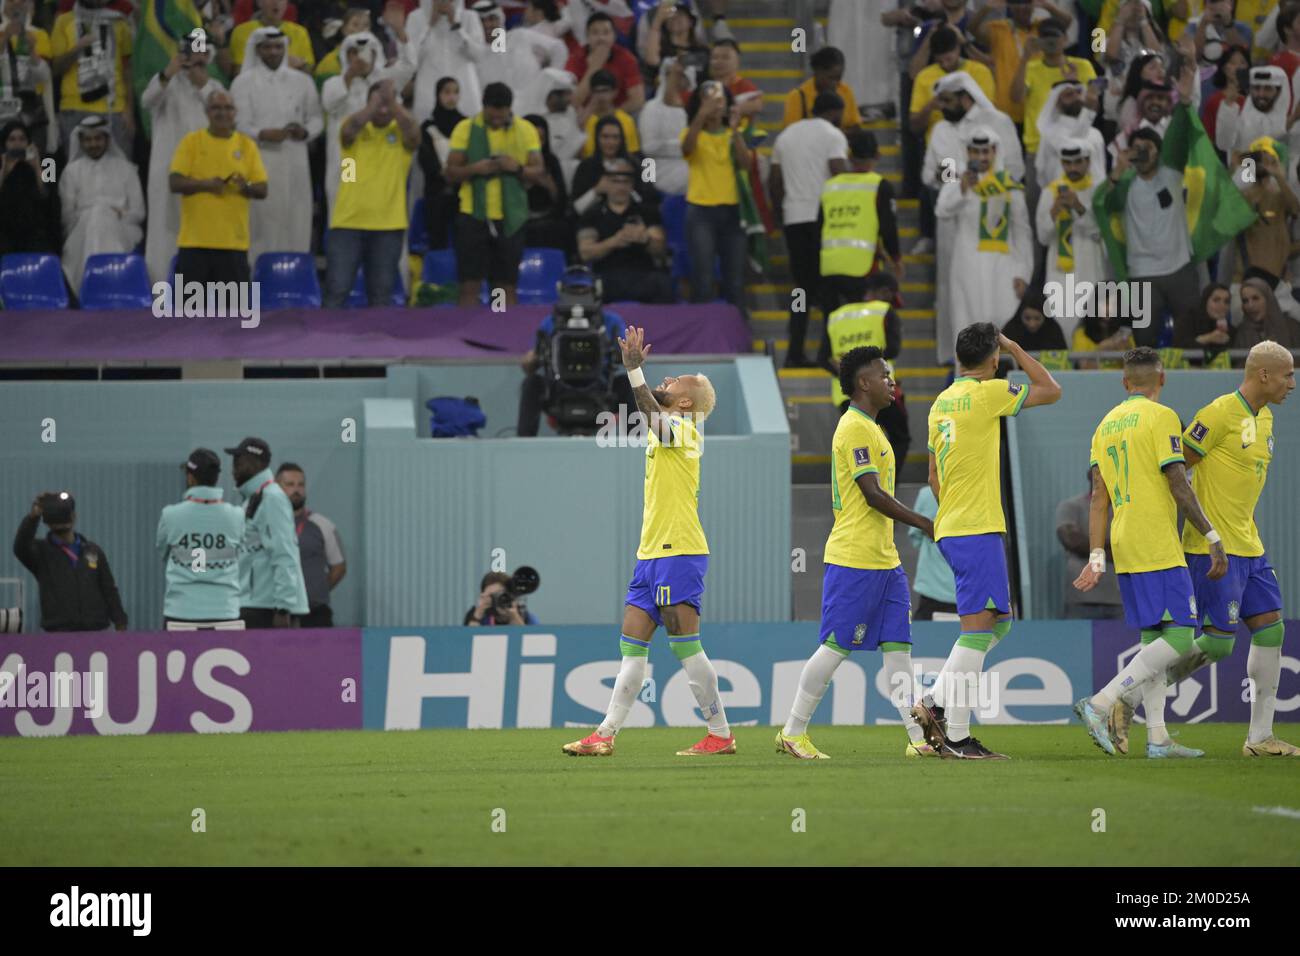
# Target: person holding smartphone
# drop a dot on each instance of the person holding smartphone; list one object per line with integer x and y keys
{"x": 29, "y": 207}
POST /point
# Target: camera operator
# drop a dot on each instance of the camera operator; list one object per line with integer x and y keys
{"x": 78, "y": 592}
{"x": 486, "y": 612}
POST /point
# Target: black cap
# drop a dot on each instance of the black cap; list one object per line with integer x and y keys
{"x": 204, "y": 465}
{"x": 603, "y": 80}
{"x": 58, "y": 508}
{"x": 1051, "y": 27}
{"x": 252, "y": 446}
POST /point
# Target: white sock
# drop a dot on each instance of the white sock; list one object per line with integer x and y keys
{"x": 902, "y": 690}
{"x": 1264, "y": 668}
{"x": 813, "y": 681}
{"x": 1154, "y": 694}
{"x": 630, "y": 678}
{"x": 962, "y": 690}
{"x": 704, "y": 685}
{"x": 1153, "y": 659}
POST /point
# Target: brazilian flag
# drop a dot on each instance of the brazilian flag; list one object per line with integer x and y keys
{"x": 1216, "y": 210}
{"x": 162, "y": 24}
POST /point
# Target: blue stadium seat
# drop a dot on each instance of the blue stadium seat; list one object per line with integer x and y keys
{"x": 673, "y": 212}
{"x": 116, "y": 281}
{"x": 539, "y": 270}
{"x": 439, "y": 266}
{"x": 287, "y": 280}
{"x": 32, "y": 280}
{"x": 417, "y": 236}
{"x": 357, "y": 298}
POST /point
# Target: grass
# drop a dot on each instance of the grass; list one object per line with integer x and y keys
{"x": 427, "y": 797}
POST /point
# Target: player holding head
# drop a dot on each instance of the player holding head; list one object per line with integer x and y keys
{"x": 965, "y": 443}
{"x": 865, "y": 601}
{"x": 1228, "y": 475}
{"x": 1139, "y": 474}
{"x": 669, "y": 579}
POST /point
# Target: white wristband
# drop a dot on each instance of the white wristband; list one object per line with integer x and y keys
{"x": 1097, "y": 560}
{"x": 1212, "y": 537}
{"x": 635, "y": 377}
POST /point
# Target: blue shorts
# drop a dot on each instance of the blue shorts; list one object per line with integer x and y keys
{"x": 659, "y": 582}
{"x": 1152, "y": 598}
{"x": 979, "y": 564}
{"x": 1249, "y": 588}
{"x": 863, "y": 608}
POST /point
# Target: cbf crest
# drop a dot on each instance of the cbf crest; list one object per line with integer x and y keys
{"x": 859, "y": 633}
{"x": 1191, "y": 603}
{"x": 1234, "y": 612}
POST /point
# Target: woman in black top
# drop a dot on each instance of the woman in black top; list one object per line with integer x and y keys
{"x": 610, "y": 143}
{"x": 440, "y": 198}
{"x": 548, "y": 200}
{"x": 29, "y": 207}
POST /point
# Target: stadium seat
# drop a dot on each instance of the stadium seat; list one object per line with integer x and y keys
{"x": 417, "y": 236}
{"x": 32, "y": 280}
{"x": 116, "y": 281}
{"x": 539, "y": 270}
{"x": 439, "y": 266}
{"x": 673, "y": 212}
{"x": 357, "y": 299}
{"x": 287, "y": 280}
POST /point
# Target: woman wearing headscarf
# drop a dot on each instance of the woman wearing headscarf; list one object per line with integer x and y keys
{"x": 1031, "y": 328}
{"x": 29, "y": 207}
{"x": 548, "y": 201}
{"x": 1210, "y": 326}
{"x": 1262, "y": 319}
{"x": 440, "y": 197}
{"x": 344, "y": 94}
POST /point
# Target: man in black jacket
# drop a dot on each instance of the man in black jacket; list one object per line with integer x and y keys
{"x": 77, "y": 588}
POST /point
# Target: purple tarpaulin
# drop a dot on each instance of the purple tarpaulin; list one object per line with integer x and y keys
{"x": 181, "y": 682}
{"x": 414, "y": 333}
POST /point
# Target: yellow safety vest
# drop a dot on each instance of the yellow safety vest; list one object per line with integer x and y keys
{"x": 849, "y": 224}
{"x": 853, "y": 325}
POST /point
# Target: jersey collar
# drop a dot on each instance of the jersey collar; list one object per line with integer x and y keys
{"x": 854, "y": 408}
{"x": 1135, "y": 395}
{"x": 1242, "y": 398}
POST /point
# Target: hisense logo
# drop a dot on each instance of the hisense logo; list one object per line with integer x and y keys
{"x": 133, "y": 910}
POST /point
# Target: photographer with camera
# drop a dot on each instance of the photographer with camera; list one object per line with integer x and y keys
{"x": 573, "y": 372}
{"x": 499, "y": 601}
{"x": 78, "y": 592}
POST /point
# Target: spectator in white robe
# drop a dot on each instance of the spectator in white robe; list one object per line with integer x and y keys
{"x": 443, "y": 39}
{"x": 1067, "y": 226}
{"x": 1266, "y": 112}
{"x": 993, "y": 247}
{"x": 515, "y": 57}
{"x": 873, "y": 72}
{"x": 176, "y": 101}
{"x": 661, "y": 123}
{"x": 1066, "y": 115}
{"x": 279, "y": 108}
{"x": 567, "y": 137}
{"x": 103, "y": 205}
{"x": 345, "y": 94}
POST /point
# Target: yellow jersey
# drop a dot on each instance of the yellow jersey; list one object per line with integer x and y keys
{"x": 517, "y": 141}
{"x": 862, "y": 537}
{"x": 1236, "y": 446}
{"x": 923, "y": 88}
{"x": 670, "y": 524}
{"x": 64, "y": 37}
{"x": 1131, "y": 447}
{"x": 375, "y": 198}
{"x": 966, "y": 441}
{"x": 712, "y": 179}
{"x": 210, "y": 221}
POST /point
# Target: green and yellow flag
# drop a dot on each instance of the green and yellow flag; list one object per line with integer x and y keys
{"x": 1216, "y": 210}
{"x": 162, "y": 24}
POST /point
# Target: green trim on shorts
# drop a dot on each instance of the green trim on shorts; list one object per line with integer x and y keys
{"x": 1179, "y": 638}
{"x": 890, "y": 647}
{"x": 1270, "y": 636}
{"x": 1149, "y": 634}
{"x": 1216, "y": 648}
{"x": 834, "y": 645}
{"x": 976, "y": 640}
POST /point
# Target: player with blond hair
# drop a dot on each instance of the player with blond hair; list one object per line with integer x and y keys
{"x": 672, "y": 558}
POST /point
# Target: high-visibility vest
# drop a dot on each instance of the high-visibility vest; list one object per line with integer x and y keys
{"x": 853, "y": 325}
{"x": 849, "y": 224}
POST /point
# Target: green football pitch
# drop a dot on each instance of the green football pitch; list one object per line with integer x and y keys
{"x": 510, "y": 797}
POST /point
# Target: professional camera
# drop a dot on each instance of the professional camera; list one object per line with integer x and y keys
{"x": 577, "y": 358}
{"x": 524, "y": 581}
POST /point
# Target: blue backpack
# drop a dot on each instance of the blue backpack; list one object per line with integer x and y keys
{"x": 455, "y": 417}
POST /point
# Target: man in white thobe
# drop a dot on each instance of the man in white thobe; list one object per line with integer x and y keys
{"x": 103, "y": 205}
{"x": 279, "y": 108}
{"x": 176, "y": 101}
{"x": 515, "y": 57}
{"x": 1065, "y": 221}
{"x": 345, "y": 94}
{"x": 443, "y": 39}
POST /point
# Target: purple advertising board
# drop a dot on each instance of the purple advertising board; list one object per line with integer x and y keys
{"x": 1220, "y": 692}
{"x": 180, "y": 682}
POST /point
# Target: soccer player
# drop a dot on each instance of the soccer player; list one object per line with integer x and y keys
{"x": 672, "y": 558}
{"x": 1228, "y": 475}
{"x": 966, "y": 477}
{"x": 865, "y": 601}
{"x": 1139, "y": 475}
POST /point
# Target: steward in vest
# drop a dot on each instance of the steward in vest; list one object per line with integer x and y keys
{"x": 495, "y": 157}
{"x": 857, "y": 216}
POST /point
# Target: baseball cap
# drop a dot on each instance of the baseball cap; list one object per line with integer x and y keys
{"x": 252, "y": 446}
{"x": 58, "y": 508}
{"x": 603, "y": 80}
{"x": 204, "y": 465}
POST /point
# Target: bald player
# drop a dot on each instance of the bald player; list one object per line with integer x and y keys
{"x": 1139, "y": 476}
{"x": 673, "y": 556}
{"x": 1228, "y": 446}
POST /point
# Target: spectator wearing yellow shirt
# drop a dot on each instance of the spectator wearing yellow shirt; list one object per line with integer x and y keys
{"x": 828, "y": 77}
{"x": 91, "y": 46}
{"x": 603, "y": 89}
{"x": 271, "y": 14}
{"x": 1043, "y": 64}
{"x": 495, "y": 157}
{"x": 26, "y": 92}
{"x": 368, "y": 222}
{"x": 1005, "y": 39}
{"x": 216, "y": 171}
{"x": 1101, "y": 333}
{"x": 946, "y": 49}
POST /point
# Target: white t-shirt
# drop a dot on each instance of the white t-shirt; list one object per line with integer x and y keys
{"x": 804, "y": 151}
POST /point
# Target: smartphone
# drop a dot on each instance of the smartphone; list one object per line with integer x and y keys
{"x": 1062, "y": 189}
{"x": 18, "y": 153}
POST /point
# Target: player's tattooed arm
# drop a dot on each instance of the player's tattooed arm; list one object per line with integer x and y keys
{"x": 1181, "y": 489}
{"x": 889, "y": 506}
{"x": 635, "y": 350}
